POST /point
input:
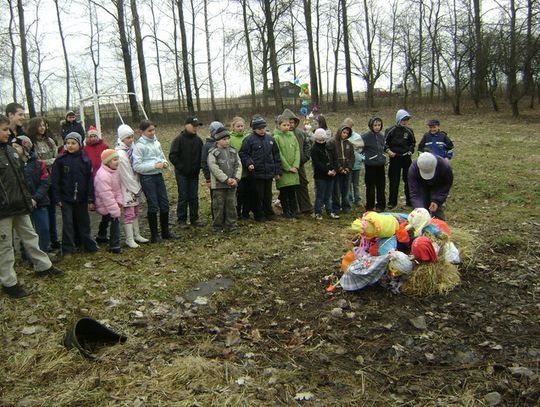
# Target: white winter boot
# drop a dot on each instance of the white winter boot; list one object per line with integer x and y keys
{"x": 128, "y": 229}
{"x": 137, "y": 233}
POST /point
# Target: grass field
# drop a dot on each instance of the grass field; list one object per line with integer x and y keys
{"x": 272, "y": 338}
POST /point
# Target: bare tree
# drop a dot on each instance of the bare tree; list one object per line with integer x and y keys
{"x": 196, "y": 86}
{"x": 13, "y": 49}
{"x": 244, "y": 4}
{"x": 209, "y": 58}
{"x": 185, "y": 62}
{"x": 311, "y": 51}
{"x": 371, "y": 62}
{"x": 64, "y": 50}
{"x": 347, "y": 51}
{"x": 158, "y": 59}
{"x": 270, "y": 17}
{"x": 24, "y": 60}
{"x": 95, "y": 42}
{"x": 140, "y": 57}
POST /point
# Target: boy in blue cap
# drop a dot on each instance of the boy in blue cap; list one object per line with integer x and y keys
{"x": 399, "y": 144}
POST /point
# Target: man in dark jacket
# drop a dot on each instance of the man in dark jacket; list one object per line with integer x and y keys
{"x": 185, "y": 155}
{"x": 71, "y": 125}
{"x": 15, "y": 207}
{"x": 260, "y": 156}
{"x": 430, "y": 180}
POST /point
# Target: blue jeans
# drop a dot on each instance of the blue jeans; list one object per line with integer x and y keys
{"x": 188, "y": 196}
{"x": 53, "y": 231}
{"x": 40, "y": 219}
{"x": 156, "y": 193}
{"x": 340, "y": 196}
{"x": 323, "y": 194}
{"x": 354, "y": 195}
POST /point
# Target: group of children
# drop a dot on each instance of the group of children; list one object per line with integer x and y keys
{"x": 239, "y": 167}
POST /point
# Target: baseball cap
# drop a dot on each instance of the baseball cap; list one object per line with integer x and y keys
{"x": 427, "y": 163}
{"x": 193, "y": 120}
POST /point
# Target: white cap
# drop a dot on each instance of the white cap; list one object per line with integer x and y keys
{"x": 124, "y": 131}
{"x": 427, "y": 163}
{"x": 320, "y": 135}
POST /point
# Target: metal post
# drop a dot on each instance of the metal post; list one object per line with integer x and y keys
{"x": 96, "y": 113}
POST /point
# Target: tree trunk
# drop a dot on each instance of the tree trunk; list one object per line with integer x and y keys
{"x": 94, "y": 54}
{"x": 193, "y": 66}
{"x": 178, "y": 81}
{"x": 336, "y": 61}
{"x": 273, "y": 55}
{"x": 13, "y": 50}
{"x": 209, "y": 58}
{"x": 249, "y": 55}
{"x": 158, "y": 61}
{"x": 480, "y": 70}
{"x": 126, "y": 56}
{"x": 66, "y": 60}
{"x": 185, "y": 62}
{"x": 24, "y": 60}
{"x": 311, "y": 51}
{"x": 348, "y": 73}
{"x": 420, "y": 47}
{"x": 368, "y": 74}
{"x": 318, "y": 51}
{"x": 140, "y": 58}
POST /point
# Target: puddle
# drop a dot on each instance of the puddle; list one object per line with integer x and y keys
{"x": 207, "y": 288}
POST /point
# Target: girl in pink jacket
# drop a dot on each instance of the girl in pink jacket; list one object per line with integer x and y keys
{"x": 109, "y": 196}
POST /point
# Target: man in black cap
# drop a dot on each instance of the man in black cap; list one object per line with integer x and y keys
{"x": 185, "y": 155}
{"x": 70, "y": 125}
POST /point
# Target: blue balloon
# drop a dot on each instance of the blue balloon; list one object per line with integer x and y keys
{"x": 296, "y": 81}
{"x": 304, "y": 111}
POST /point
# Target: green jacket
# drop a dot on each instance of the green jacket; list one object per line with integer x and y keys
{"x": 236, "y": 143}
{"x": 289, "y": 152}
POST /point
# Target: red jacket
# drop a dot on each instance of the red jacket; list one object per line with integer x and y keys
{"x": 93, "y": 152}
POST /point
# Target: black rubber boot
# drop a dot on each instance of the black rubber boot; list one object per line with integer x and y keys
{"x": 164, "y": 223}
{"x": 152, "y": 223}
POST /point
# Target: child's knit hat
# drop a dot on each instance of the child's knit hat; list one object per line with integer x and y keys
{"x": 74, "y": 136}
{"x": 25, "y": 142}
{"x": 320, "y": 135}
{"x": 93, "y": 131}
{"x": 108, "y": 155}
{"x": 220, "y": 133}
{"x": 124, "y": 131}
{"x": 258, "y": 122}
{"x": 212, "y": 127}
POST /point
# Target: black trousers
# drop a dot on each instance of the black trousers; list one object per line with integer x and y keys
{"x": 399, "y": 168}
{"x": 263, "y": 190}
{"x": 375, "y": 180}
{"x": 288, "y": 201}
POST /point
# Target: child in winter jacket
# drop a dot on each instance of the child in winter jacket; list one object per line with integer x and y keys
{"x": 324, "y": 172}
{"x": 343, "y": 150}
{"x": 358, "y": 145}
{"x": 15, "y": 206}
{"x": 46, "y": 150}
{"x": 131, "y": 187}
{"x": 109, "y": 196}
{"x": 436, "y": 141}
{"x": 93, "y": 147}
{"x": 225, "y": 171}
{"x": 399, "y": 145}
{"x": 38, "y": 183}
{"x": 244, "y": 192}
{"x": 149, "y": 162}
{"x": 374, "y": 164}
{"x": 289, "y": 153}
{"x": 73, "y": 192}
{"x": 260, "y": 156}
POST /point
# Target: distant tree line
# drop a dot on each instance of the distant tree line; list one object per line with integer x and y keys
{"x": 431, "y": 49}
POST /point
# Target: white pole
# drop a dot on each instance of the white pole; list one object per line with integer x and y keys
{"x": 96, "y": 113}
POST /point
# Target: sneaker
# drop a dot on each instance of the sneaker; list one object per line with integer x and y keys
{"x": 102, "y": 240}
{"x": 116, "y": 250}
{"x": 16, "y": 291}
{"x": 51, "y": 271}
{"x": 197, "y": 223}
{"x": 55, "y": 245}
{"x": 318, "y": 216}
{"x": 183, "y": 224}
{"x": 333, "y": 216}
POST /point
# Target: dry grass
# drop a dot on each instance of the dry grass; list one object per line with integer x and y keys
{"x": 278, "y": 269}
